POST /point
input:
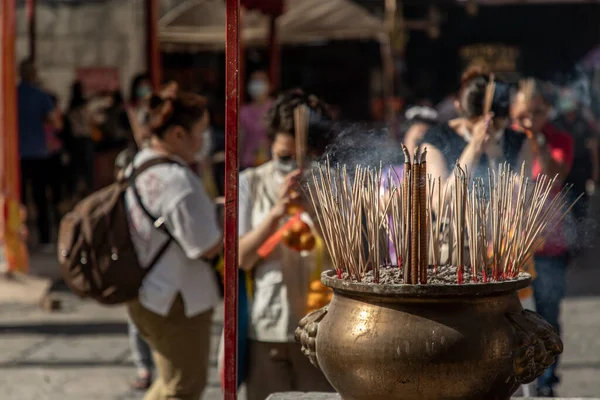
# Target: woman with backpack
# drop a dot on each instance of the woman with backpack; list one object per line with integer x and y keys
{"x": 176, "y": 301}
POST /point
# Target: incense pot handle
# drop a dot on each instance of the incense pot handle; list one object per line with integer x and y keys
{"x": 306, "y": 334}
{"x": 536, "y": 345}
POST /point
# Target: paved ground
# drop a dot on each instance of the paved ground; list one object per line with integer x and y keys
{"x": 78, "y": 353}
{"x": 82, "y": 353}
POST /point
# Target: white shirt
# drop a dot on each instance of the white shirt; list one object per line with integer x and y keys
{"x": 173, "y": 192}
{"x": 281, "y": 280}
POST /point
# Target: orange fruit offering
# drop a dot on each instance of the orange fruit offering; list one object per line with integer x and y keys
{"x": 307, "y": 241}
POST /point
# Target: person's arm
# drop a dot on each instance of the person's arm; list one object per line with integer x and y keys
{"x": 140, "y": 132}
{"x": 252, "y": 239}
{"x": 436, "y": 163}
{"x": 55, "y": 119}
{"x": 50, "y": 112}
{"x": 414, "y": 136}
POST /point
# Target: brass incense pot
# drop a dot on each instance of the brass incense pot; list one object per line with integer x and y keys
{"x": 409, "y": 342}
{"x": 443, "y": 321}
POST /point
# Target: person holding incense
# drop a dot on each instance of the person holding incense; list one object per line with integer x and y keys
{"x": 281, "y": 280}
{"x": 479, "y": 139}
{"x": 553, "y": 152}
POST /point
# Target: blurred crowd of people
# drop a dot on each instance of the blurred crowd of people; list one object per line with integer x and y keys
{"x": 61, "y": 161}
{"x": 68, "y": 152}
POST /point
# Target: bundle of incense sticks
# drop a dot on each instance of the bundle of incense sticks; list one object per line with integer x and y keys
{"x": 301, "y": 122}
{"x": 438, "y": 220}
{"x": 508, "y": 214}
{"x": 476, "y": 218}
{"x": 351, "y": 217}
{"x": 415, "y": 219}
{"x": 489, "y": 95}
{"x": 459, "y": 208}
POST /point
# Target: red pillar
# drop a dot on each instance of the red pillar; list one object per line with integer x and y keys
{"x": 8, "y": 103}
{"x": 274, "y": 54}
{"x": 11, "y": 241}
{"x": 242, "y": 60}
{"x": 31, "y": 26}
{"x": 232, "y": 105}
{"x": 152, "y": 46}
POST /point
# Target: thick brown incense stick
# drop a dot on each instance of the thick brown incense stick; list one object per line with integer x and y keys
{"x": 407, "y": 215}
{"x": 527, "y": 87}
{"x": 414, "y": 204}
{"x": 423, "y": 231}
{"x": 301, "y": 115}
{"x": 489, "y": 95}
{"x": 459, "y": 195}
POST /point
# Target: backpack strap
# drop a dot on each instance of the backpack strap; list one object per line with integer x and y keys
{"x": 157, "y": 222}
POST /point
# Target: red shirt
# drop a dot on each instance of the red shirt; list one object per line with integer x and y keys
{"x": 562, "y": 149}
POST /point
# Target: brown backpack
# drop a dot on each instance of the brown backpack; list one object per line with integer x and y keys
{"x": 95, "y": 249}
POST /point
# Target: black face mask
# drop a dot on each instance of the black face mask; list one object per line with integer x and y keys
{"x": 285, "y": 164}
{"x": 285, "y": 159}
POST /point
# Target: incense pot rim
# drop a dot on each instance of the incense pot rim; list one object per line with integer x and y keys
{"x": 330, "y": 279}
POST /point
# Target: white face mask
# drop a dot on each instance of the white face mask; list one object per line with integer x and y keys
{"x": 257, "y": 88}
{"x": 204, "y": 152}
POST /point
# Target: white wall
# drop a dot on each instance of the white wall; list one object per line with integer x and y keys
{"x": 100, "y": 34}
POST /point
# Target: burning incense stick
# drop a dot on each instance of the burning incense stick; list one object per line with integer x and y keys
{"x": 489, "y": 95}
{"x": 459, "y": 202}
{"x": 407, "y": 215}
{"x": 301, "y": 122}
{"x": 475, "y": 229}
{"x": 414, "y": 222}
{"x": 423, "y": 231}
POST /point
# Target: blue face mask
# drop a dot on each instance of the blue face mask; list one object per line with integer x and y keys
{"x": 258, "y": 88}
{"x": 142, "y": 91}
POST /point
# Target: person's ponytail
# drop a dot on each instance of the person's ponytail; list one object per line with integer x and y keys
{"x": 183, "y": 110}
